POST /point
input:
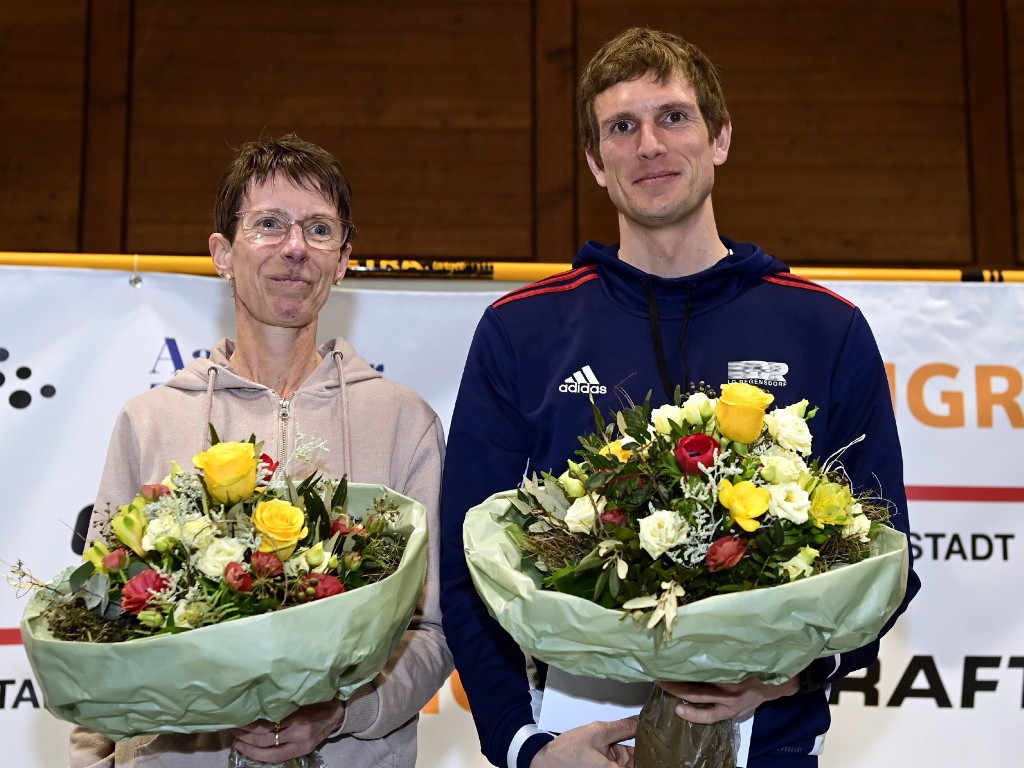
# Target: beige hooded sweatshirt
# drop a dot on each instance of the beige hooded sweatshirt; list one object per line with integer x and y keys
{"x": 377, "y": 432}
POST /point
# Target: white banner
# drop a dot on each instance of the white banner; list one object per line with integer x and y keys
{"x": 949, "y": 689}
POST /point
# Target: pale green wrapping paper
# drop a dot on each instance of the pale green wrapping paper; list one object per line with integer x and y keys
{"x": 234, "y": 673}
{"x": 771, "y": 633}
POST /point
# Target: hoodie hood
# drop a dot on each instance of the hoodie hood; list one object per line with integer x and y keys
{"x": 325, "y": 378}
{"x": 678, "y": 297}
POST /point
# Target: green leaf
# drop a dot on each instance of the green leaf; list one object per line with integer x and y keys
{"x": 80, "y": 575}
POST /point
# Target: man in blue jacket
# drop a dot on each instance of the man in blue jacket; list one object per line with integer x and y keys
{"x": 672, "y": 304}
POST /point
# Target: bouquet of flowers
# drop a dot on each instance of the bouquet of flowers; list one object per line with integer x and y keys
{"x": 199, "y": 569}
{"x": 706, "y": 523}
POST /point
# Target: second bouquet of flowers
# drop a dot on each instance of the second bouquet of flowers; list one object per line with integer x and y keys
{"x": 227, "y": 594}
{"x": 696, "y": 541}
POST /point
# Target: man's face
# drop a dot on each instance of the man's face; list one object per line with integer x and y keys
{"x": 285, "y": 284}
{"x": 656, "y": 160}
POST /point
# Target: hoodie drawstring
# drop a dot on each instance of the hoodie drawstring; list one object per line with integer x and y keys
{"x": 659, "y": 347}
{"x": 211, "y": 379}
{"x": 339, "y": 359}
{"x": 686, "y": 330}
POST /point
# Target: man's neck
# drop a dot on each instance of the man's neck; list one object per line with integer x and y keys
{"x": 671, "y": 251}
{"x": 278, "y": 358}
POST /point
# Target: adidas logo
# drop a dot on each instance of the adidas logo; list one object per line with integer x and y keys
{"x": 583, "y": 381}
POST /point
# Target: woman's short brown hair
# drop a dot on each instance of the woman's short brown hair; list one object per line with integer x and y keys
{"x": 306, "y": 165}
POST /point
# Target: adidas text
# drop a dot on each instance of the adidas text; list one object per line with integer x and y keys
{"x": 584, "y": 388}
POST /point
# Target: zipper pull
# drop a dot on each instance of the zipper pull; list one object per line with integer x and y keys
{"x": 284, "y": 410}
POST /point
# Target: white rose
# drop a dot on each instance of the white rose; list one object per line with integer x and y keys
{"x": 781, "y": 465}
{"x": 198, "y": 532}
{"x": 858, "y": 528}
{"x": 661, "y": 531}
{"x": 162, "y": 533}
{"x": 697, "y": 409}
{"x": 663, "y": 417}
{"x": 789, "y": 429}
{"x": 580, "y": 515}
{"x": 218, "y": 553}
{"x": 789, "y": 501}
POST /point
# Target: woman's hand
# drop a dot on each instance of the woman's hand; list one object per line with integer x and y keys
{"x": 298, "y": 734}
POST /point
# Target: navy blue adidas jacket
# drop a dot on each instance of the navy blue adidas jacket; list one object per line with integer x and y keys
{"x": 606, "y": 328}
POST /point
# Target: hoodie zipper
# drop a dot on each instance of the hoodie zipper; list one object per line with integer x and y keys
{"x": 283, "y": 415}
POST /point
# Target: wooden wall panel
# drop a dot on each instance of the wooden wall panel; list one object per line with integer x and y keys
{"x": 849, "y": 143}
{"x": 427, "y": 105}
{"x": 42, "y": 75}
{"x": 866, "y": 132}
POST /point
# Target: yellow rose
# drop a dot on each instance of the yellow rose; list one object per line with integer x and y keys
{"x": 229, "y": 470}
{"x": 281, "y": 525}
{"x": 745, "y": 501}
{"x": 614, "y": 448}
{"x": 740, "y": 411}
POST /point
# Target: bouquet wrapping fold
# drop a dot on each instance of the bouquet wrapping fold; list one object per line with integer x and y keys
{"x": 235, "y": 672}
{"x": 771, "y": 633}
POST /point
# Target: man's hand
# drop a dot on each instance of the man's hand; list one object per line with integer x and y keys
{"x": 298, "y": 734}
{"x": 710, "y": 703}
{"x": 590, "y": 746}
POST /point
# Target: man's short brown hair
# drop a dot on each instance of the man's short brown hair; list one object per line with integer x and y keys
{"x": 635, "y": 53}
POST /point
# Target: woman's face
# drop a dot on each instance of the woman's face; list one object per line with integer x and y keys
{"x": 287, "y": 283}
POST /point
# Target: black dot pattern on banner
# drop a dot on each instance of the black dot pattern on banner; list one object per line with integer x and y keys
{"x": 21, "y": 398}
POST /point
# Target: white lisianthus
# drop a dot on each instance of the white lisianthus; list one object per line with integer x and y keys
{"x": 698, "y": 408}
{"x": 789, "y": 501}
{"x": 800, "y": 565}
{"x": 579, "y": 517}
{"x": 858, "y": 527}
{"x": 162, "y": 533}
{"x": 189, "y": 615}
{"x": 661, "y": 531}
{"x": 218, "y": 553}
{"x": 296, "y": 566}
{"x": 571, "y": 483}
{"x": 781, "y": 465}
{"x": 663, "y": 417}
{"x": 789, "y": 429}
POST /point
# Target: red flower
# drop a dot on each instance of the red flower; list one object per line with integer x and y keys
{"x": 693, "y": 450}
{"x": 117, "y": 560}
{"x": 614, "y": 517}
{"x": 725, "y": 552}
{"x": 138, "y": 591}
{"x": 266, "y": 564}
{"x": 153, "y": 491}
{"x": 267, "y": 468}
{"x": 237, "y": 578}
{"x": 317, "y": 586}
{"x": 341, "y": 526}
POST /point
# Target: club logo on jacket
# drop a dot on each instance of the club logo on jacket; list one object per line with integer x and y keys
{"x": 758, "y": 372}
{"x": 584, "y": 382}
